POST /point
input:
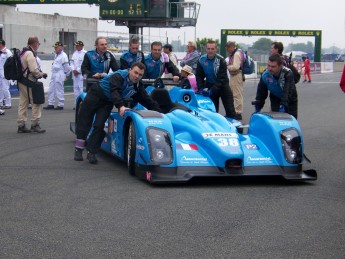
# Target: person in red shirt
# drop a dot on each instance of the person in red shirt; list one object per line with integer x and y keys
{"x": 342, "y": 81}
{"x": 306, "y": 67}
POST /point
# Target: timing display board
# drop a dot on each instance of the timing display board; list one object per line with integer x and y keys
{"x": 50, "y": 1}
{"x": 122, "y": 9}
{"x": 132, "y": 9}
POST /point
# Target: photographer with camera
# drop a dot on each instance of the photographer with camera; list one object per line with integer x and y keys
{"x": 32, "y": 73}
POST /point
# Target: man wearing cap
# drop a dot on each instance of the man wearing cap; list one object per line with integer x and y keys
{"x": 98, "y": 62}
{"x": 4, "y": 83}
{"x": 60, "y": 70}
{"x": 77, "y": 60}
{"x": 133, "y": 54}
{"x": 167, "y": 49}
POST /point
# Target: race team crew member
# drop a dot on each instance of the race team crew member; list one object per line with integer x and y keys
{"x": 77, "y": 60}
{"x": 99, "y": 102}
{"x": 98, "y": 62}
{"x": 156, "y": 62}
{"x": 133, "y": 54}
{"x": 211, "y": 73}
{"x": 279, "y": 81}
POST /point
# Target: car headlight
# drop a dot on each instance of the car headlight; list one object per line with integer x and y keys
{"x": 160, "y": 146}
{"x": 292, "y": 145}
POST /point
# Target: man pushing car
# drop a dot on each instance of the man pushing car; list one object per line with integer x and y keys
{"x": 99, "y": 101}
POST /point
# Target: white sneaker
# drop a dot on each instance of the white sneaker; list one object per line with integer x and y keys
{"x": 2, "y": 112}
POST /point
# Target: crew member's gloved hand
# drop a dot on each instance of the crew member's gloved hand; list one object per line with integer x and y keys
{"x": 257, "y": 109}
{"x": 282, "y": 108}
{"x": 45, "y": 76}
{"x": 199, "y": 90}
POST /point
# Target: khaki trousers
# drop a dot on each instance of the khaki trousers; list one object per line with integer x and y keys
{"x": 236, "y": 85}
{"x": 23, "y": 107}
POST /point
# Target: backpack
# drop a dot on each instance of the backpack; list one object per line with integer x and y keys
{"x": 296, "y": 75}
{"x": 248, "y": 66}
{"x": 13, "y": 66}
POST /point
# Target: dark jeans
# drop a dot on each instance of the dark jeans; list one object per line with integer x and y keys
{"x": 94, "y": 112}
{"x": 225, "y": 94}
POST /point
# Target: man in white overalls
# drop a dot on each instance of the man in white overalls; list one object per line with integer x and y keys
{"x": 4, "y": 83}
{"x": 60, "y": 70}
{"x": 77, "y": 60}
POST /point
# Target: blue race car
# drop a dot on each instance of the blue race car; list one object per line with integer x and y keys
{"x": 189, "y": 139}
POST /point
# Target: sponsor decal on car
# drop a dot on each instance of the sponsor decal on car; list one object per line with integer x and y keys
{"x": 219, "y": 134}
{"x": 204, "y": 101}
{"x": 196, "y": 114}
{"x": 154, "y": 122}
{"x": 259, "y": 160}
{"x": 252, "y": 146}
{"x": 194, "y": 160}
{"x": 285, "y": 123}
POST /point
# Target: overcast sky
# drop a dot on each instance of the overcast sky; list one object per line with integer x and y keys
{"x": 328, "y": 16}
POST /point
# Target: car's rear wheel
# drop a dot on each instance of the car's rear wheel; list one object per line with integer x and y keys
{"x": 131, "y": 149}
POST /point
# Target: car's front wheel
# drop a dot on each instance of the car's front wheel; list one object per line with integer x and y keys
{"x": 131, "y": 149}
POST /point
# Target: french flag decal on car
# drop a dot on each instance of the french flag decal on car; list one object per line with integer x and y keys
{"x": 187, "y": 146}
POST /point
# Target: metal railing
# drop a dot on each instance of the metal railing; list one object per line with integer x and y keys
{"x": 186, "y": 12}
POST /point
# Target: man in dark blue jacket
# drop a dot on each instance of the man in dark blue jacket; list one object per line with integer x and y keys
{"x": 279, "y": 81}
{"x": 211, "y": 75}
{"x": 98, "y": 62}
{"x": 156, "y": 62}
{"x": 133, "y": 54}
{"x": 98, "y": 103}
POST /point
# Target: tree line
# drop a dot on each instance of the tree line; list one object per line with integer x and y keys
{"x": 264, "y": 44}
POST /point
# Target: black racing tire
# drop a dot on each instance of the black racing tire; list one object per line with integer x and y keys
{"x": 131, "y": 149}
